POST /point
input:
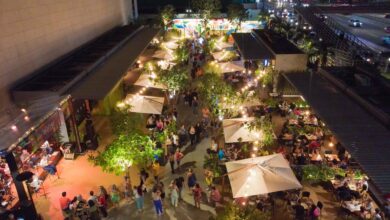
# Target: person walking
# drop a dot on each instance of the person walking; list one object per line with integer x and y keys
{"x": 93, "y": 211}
{"x": 174, "y": 192}
{"x": 143, "y": 175}
{"x": 178, "y": 156}
{"x": 139, "y": 197}
{"x": 172, "y": 162}
{"x": 157, "y": 202}
{"x": 198, "y": 132}
{"x": 197, "y": 193}
{"x": 182, "y": 136}
{"x": 192, "y": 133}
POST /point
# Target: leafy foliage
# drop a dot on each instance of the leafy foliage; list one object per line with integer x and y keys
{"x": 167, "y": 14}
{"x": 236, "y": 14}
{"x": 236, "y": 212}
{"x": 175, "y": 78}
{"x": 181, "y": 53}
{"x": 320, "y": 173}
{"x": 207, "y": 9}
{"x": 126, "y": 150}
{"x": 124, "y": 123}
{"x": 265, "y": 126}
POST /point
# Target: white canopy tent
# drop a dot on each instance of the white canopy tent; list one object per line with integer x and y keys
{"x": 146, "y": 81}
{"x": 261, "y": 175}
{"x": 163, "y": 55}
{"x": 231, "y": 66}
{"x": 238, "y": 128}
{"x": 223, "y": 45}
{"x": 145, "y": 104}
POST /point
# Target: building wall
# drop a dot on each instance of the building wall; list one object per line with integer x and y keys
{"x": 290, "y": 62}
{"x": 36, "y": 32}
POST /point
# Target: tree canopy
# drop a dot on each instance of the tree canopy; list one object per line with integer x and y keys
{"x": 236, "y": 13}
{"x": 167, "y": 14}
{"x": 125, "y": 151}
{"x": 175, "y": 78}
{"x": 238, "y": 212}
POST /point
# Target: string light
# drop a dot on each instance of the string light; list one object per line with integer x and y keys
{"x": 14, "y": 128}
{"x": 331, "y": 144}
{"x": 23, "y": 110}
{"x": 26, "y": 118}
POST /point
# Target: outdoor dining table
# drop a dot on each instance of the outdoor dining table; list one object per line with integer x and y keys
{"x": 351, "y": 184}
{"x": 331, "y": 157}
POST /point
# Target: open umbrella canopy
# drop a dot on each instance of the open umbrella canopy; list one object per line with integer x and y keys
{"x": 147, "y": 81}
{"x": 235, "y": 129}
{"x": 261, "y": 175}
{"x": 231, "y": 66}
{"x": 219, "y": 55}
{"x": 163, "y": 55}
{"x": 223, "y": 45}
{"x": 145, "y": 104}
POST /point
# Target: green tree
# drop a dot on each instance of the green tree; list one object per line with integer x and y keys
{"x": 236, "y": 14}
{"x": 175, "y": 78}
{"x": 167, "y": 14}
{"x": 125, "y": 123}
{"x": 181, "y": 53}
{"x": 125, "y": 151}
{"x": 265, "y": 126}
{"x": 238, "y": 212}
{"x": 207, "y": 9}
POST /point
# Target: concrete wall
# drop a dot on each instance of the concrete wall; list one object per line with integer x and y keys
{"x": 290, "y": 62}
{"x": 36, "y": 32}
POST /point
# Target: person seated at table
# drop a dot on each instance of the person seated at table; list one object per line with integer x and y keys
{"x": 221, "y": 154}
{"x": 314, "y": 145}
{"x": 281, "y": 150}
{"x": 369, "y": 205}
{"x": 215, "y": 196}
{"x": 344, "y": 192}
{"x": 299, "y": 211}
{"x": 343, "y": 164}
{"x": 378, "y": 215}
{"x": 24, "y": 156}
{"x": 363, "y": 213}
{"x": 316, "y": 156}
{"x": 36, "y": 183}
{"x": 301, "y": 159}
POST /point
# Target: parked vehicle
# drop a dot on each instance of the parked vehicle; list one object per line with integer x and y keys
{"x": 386, "y": 40}
{"x": 322, "y": 17}
{"x": 387, "y": 29}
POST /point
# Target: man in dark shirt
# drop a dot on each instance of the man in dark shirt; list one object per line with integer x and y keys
{"x": 299, "y": 211}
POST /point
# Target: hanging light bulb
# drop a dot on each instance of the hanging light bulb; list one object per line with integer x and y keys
{"x": 14, "y": 128}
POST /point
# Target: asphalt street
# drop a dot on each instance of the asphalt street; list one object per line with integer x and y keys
{"x": 372, "y": 29}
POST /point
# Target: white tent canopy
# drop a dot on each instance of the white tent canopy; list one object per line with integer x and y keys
{"x": 218, "y": 55}
{"x": 261, "y": 175}
{"x": 236, "y": 128}
{"x": 163, "y": 55}
{"x": 146, "y": 81}
{"x": 145, "y": 104}
{"x": 223, "y": 45}
{"x": 231, "y": 66}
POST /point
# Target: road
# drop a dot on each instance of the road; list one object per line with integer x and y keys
{"x": 371, "y": 31}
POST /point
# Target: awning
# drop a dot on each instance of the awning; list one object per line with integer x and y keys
{"x": 366, "y": 139}
{"x": 100, "y": 82}
{"x": 250, "y": 48}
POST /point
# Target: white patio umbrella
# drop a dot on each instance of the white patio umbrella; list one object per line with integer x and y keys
{"x": 171, "y": 45}
{"x": 163, "y": 55}
{"x": 146, "y": 81}
{"x": 218, "y": 55}
{"x": 237, "y": 128}
{"x": 261, "y": 175}
{"x": 145, "y": 104}
{"x": 231, "y": 66}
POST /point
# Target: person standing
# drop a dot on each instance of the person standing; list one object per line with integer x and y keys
{"x": 174, "y": 193}
{"x": 197, "y": 193}
{"x": 102, "y": 204}
{"x": 182, "y": 136}
{"x": 172, "y": 162}
{"x": 178, "y": 156}
{"x": 198, "y": 132}
{"x": 139, "y": 197}
{"x": 179, "y": 183}
{"x": 64, "y": 205}
{"x": 93, "y": 211}
{"x": 127, "y": 188}
{"x": 195, "y": 105}
{"x": 191, "y": 179}
{"x": 192, "y": 133}
{"x": 156, "y": 195}
{"x": 115, "y": 195}
{"x": 143, "y": 175}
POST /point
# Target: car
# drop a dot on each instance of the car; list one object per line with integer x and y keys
{"x": 322, "y": 17}
{"x": 355, "y": 23}
{"x": 306, "y": 26}
{"x": 386, "y": 40}
{"x": 387, "y": 15}
{"x": 387, "y": 29}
